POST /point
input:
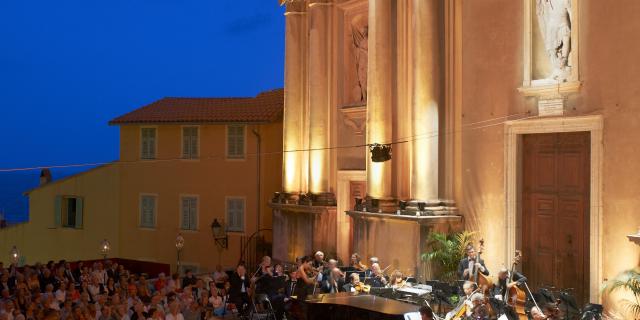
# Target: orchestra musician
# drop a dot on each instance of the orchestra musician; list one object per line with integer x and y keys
{"x": 356, "y": 264}
{"x": 468, "y": 265}
{"x": 479, "y": 311}
{"x": 334, "y": 283}
{"x": 318, "y": 262}
{"x": 262, "y": 276}
{"x": 426, "y": 313}
{"x": 397, "y": 280}
{"x": 306, "y": 278}
{"x": 354, "y": 282}
{"x": 536, "y": 314}
{"x": 274, "y": 281}
{"x": 326, "y": 271}
{"x": 240, "y": 289}
{"x": 501, "y": 286}
{"x": 469, "y": 288}
{"x": 377, "y": 278}
{"x": 550, "y": 311}
{"x": 372, "y": 260}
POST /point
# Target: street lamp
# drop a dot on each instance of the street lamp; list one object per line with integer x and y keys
{"x": 15, "y": 255}
{"x": 105, "y": 248}
{"x": 219, "y": 233}
{"x": 179, "y": 246}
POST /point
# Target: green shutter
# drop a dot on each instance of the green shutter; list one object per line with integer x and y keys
{"x": 240, "y": 215}
{"x": 186, "y": 141}
{"x": 194, "y": 143}
{"x": 57, "y": 213}
{"x": 79, "y": 213}
{"x": 185, "y": 214}
{"x": 193, "y": 214}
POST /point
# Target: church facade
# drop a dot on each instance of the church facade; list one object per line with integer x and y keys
{"x": 515, "y": 119}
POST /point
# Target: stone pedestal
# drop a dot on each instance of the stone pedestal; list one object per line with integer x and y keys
{"x": 398, "y": 240}
{"x": 300, "y": 230}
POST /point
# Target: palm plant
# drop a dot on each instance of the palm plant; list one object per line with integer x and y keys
{"x": 446, "y": 250}
{"x": 628, "y": 281}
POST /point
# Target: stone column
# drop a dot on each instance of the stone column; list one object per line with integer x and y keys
{"x": 425, "y": 99}
{"x": 319, "y": 95}
{"x": 295, "y": 98}
{"x": 379, "y": 96}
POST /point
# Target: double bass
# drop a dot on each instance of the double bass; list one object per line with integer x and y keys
{"x": 514, "y": 296}
{"x": 485, "y": 283}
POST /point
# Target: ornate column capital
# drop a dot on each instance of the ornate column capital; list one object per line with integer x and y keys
{"x": 294, "y": 6}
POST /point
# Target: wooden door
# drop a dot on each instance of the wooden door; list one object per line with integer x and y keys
{"x": 555, "y": 211}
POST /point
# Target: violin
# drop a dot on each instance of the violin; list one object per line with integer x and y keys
{"x": 360, "y": 287}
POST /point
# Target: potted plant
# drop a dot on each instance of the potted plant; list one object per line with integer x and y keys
{"x": 628, "y": 281}
{"x": 445, "y": 250}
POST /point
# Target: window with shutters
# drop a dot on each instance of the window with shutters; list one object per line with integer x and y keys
{"x": 235, "y": 214}
{"x": 148, "y": 211}
{"x": 189, "y": 213}
{"x": 235, "y": 141}
{"x": 69, "y": 211}
{"x": 148, "y": 143}
{"x": 190, "y": 142}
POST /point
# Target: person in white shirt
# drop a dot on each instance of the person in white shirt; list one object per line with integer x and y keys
{"x": 61, "y": 293}
{"x": 174, "y": 312}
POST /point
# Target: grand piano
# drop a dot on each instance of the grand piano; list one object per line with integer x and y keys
{"x": 346, "y": 305}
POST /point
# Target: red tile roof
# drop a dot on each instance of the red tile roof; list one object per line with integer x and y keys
{"x": 265, "y": 107}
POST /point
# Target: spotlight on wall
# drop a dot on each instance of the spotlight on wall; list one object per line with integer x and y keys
{"x": 380, "y": 152}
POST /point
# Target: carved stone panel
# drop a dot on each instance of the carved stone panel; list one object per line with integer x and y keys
{"x": 353, "y": 69}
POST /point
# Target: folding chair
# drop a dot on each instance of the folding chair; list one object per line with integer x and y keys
{"x": 262, "y": 308}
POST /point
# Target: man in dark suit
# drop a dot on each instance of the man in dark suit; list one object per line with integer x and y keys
{"x": 239, "y": 291}
{"x": 469, "y": 264}
{"x": 334, "y": 283}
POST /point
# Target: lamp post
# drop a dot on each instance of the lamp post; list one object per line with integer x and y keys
{"x": 14, "y": 254}
{"x": 219, "y": 233}
{"x": 105, "y": 248}
{"x": 179, "y": 246}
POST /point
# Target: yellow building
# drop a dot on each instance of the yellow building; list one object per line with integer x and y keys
{"x": 183, "y": 163}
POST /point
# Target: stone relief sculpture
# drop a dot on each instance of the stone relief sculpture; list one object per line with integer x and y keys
{"x": 554, "y": 19}
{"x": 360, "y": 35}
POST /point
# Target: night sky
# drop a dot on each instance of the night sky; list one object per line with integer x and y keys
{"x": 67, "y": 67}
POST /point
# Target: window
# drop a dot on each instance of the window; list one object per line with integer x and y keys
{"x": 235, "y": 214}
{"x": 189, "y": 213}
{"x": 148, "y": 143}
{"x": 68, "y": 211}
{"x": 190, "y": 142}
{"x": 148, "y": 211}
{"x": 235, "y": 142}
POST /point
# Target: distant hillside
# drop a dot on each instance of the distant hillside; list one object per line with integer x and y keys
{"x": 13, "y": 204}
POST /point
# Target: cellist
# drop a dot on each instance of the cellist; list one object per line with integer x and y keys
{"x": 468, "y": 265}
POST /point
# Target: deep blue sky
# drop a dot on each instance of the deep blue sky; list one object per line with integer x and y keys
{"x": 69, "y": 66}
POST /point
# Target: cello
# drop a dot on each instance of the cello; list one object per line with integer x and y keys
{"x": 514, "y": 296}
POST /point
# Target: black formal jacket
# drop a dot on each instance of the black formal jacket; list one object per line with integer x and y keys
{"x": 236, "y": 286}
{"x": 326, "y": 285}
{"x": 464, "y": 264}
